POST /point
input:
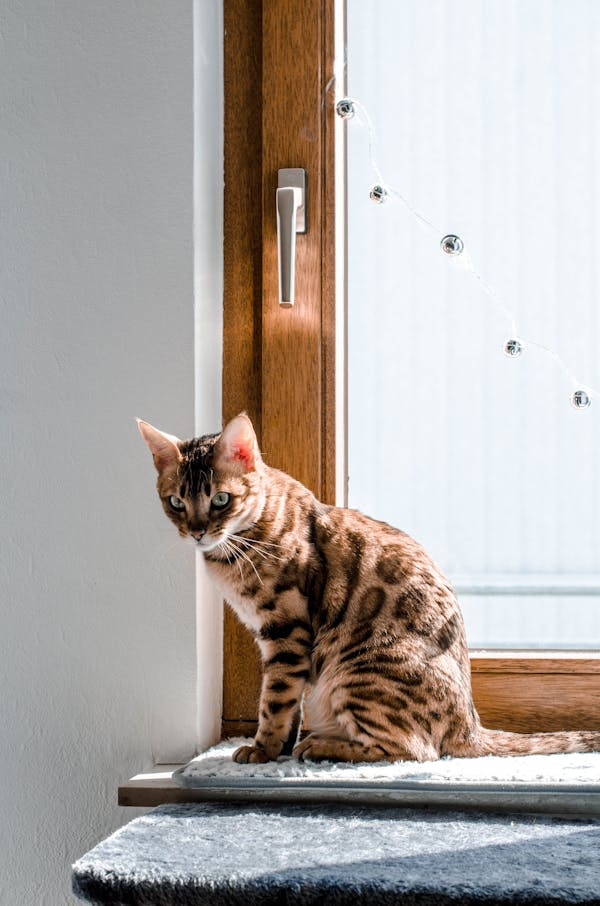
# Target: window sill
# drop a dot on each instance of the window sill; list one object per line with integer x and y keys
{"x": 152, "y": 788}
{"x": 157, "y": 788}
{"x": 520, "y": 660}
{"x": 524, "y": 691}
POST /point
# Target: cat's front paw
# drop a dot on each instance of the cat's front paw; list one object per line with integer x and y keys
{"x": 250, "y": 755}
{"x": 307, "y": 748}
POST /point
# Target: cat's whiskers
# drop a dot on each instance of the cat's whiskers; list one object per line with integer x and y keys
{"x": 241, "y": 553}
{"x": 246, "y": 557}
{"x": 257, "y": 541}
{"x": 250, "y": 544}
{"x": 266, "y": 555}
{"x": 223, "y": 546}
{"x": 230, "y": 548}
{"x": 263, "y": 544}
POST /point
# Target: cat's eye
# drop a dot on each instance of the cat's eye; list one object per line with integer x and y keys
{"x": 220, "y": 500}
{"x": 177, "y": 503}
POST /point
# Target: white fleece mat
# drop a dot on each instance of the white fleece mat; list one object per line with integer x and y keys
{"x": 560, "y": 773}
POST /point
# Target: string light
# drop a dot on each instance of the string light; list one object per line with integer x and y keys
{"x": 513, "y": 348}
{"x": 378, "y": 194}
{"x": 452, "y": 245}
{"x": 581, "y": 400}
{"x": 454, "y": 248}
{"x": 345, "y": 108}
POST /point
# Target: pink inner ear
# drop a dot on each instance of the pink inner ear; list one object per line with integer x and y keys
{"x": 242, "y": 452}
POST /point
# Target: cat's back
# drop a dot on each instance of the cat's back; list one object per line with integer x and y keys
{"x": 357, "y": 546}
{"x": 379, "y": 577}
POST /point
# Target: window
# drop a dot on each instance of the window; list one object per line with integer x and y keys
{"x": 279, "y": 364}
{"x": 481, "y": 119}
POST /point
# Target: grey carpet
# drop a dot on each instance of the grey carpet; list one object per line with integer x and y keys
{"x": 227, "y": 854}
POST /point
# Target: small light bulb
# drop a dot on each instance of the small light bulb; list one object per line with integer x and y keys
{"x": 581, "y": 400}
{"x": 513, "y": 348}
{"x": 452, "y": 245}
{"x": 378, "y": 194}
{"x": 345, "y": 108}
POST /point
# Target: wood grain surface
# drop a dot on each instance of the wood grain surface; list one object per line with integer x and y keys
{"x": 537, "y": 691}
{"x": 278, "y": 364}
{"x": 242, "y": 297}
{"x": 536, "y": 702}
{"x": 331, "y": 370}
{"x": 291, "y": 351}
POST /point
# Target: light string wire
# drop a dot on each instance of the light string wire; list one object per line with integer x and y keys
{"x": 462, "y": 259}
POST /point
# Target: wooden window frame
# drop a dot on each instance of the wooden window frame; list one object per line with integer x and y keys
{"x": 279, "y": 365}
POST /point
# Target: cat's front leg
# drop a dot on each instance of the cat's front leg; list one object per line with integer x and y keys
{"x": 286, "y": 670}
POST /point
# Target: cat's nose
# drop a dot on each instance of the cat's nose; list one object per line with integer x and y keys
{"x": 198, "y": 535}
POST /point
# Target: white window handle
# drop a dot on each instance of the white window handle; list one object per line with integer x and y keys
{"x": 291, "y": 219}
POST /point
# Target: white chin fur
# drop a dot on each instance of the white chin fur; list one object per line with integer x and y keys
{"x": 208, "y": 545}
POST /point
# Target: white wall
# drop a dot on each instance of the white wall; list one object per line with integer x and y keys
{"x": 97, "y": 611}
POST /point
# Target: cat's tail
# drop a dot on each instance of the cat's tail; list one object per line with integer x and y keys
{"x": 501, "y": 742}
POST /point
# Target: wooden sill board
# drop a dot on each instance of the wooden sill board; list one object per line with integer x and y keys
{"x": 154, "y": 787}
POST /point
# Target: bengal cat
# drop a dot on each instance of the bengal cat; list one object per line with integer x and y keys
{"x": 357, "y": 627}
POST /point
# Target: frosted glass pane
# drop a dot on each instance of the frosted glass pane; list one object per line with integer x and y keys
{"x": 487, "y": 118}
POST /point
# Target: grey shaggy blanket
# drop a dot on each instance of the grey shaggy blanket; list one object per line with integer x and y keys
{"x": 227, "y": 854}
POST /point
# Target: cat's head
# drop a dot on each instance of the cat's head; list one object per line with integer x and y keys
{"x": 210, "y": 487}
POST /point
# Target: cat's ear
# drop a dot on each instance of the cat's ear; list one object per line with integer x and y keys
{"x": 164, "y": 447}
{"x": 237, "y": 448}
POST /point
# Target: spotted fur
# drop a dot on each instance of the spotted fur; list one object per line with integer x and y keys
{"x": 357, "y": 627}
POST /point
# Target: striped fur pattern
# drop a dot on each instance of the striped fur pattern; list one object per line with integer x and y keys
{"x": 359, "y": 631}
